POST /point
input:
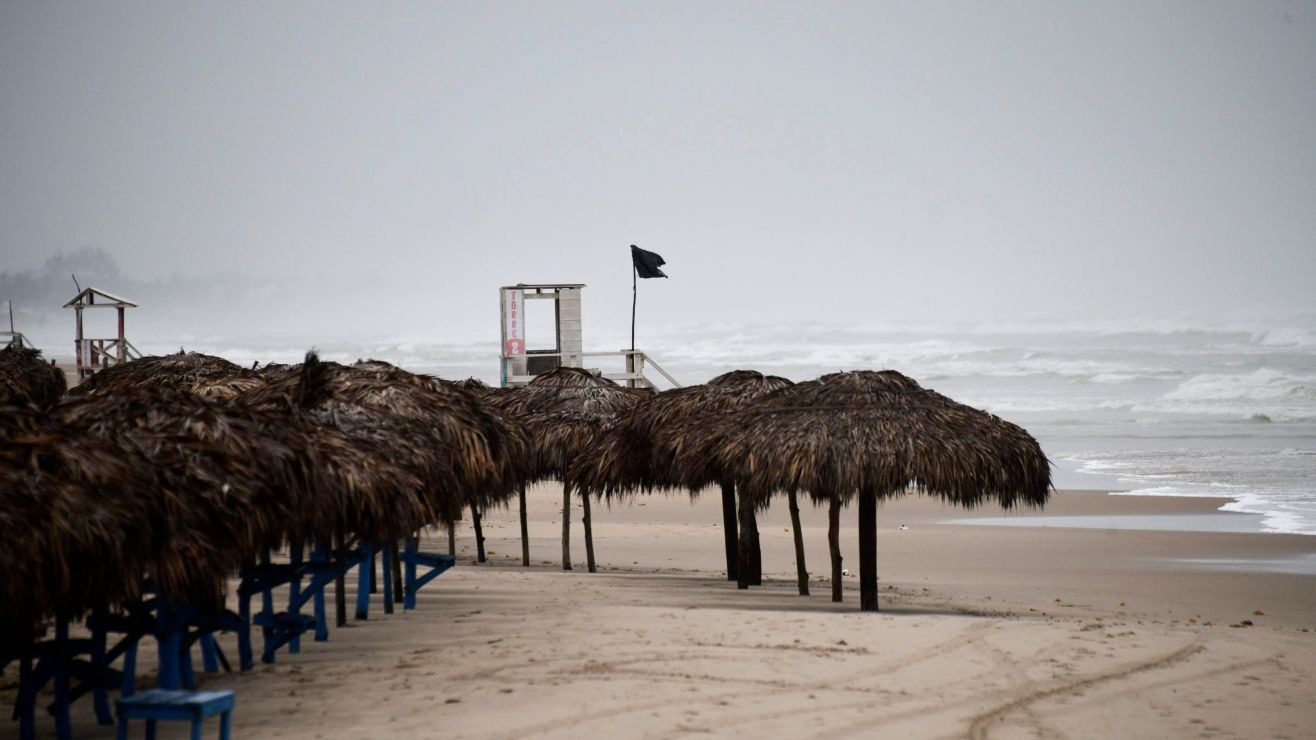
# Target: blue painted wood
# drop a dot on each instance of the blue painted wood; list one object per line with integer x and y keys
{"x": 194, "y": 706}
{"x": 60, "y": 662}
{"x": 24, "y": 707}
{"x": 209, "y": 652}
{"x": 129, "y": 670}
{"x": 267, "y": 607}
{"x": 283, "y": 627}
{"x": 387, "y": 575}
{"x": 77, "y": 667}
{"x": 409, "y": 574}
{"x": 186, "y": 677}
{"x": 63, "y": 656}
{"x": 99, "y": 661}
{"x": 244, "y": 639}
{"x": 364, "y": 584}
{"x": 319, "y": 557}
{"x": 168, "y": 635}
{"x": 411, "y": 559}
{"x": 294, "y": 592}
{"x": 286, "y": 628}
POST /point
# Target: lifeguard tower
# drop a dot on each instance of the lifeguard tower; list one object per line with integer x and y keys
{"x": 520, "y": 365}
{"x": 97, "y": 354}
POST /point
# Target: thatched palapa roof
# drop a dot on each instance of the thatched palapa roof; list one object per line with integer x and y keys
{"x": 661, "y": 443}
{"x": 25, "y": 378}
{"x": 74, "y": 529}
{"x": 225, "y": 482}
{"x": 190, "y": 371}
{"x": 565, "y": 412}
{"x": 878, "y": 431}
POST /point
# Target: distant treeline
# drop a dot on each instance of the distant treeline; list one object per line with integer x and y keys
{"x": 48, "y": 287}
{"x": 42, "y": 292}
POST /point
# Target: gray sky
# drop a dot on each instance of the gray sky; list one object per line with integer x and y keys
{"x": 816, "y": 161}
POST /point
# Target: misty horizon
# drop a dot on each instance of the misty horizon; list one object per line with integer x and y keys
{"x": 330, "y": 170}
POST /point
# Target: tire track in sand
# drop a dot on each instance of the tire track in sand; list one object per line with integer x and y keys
{"x": 981, "y": 723}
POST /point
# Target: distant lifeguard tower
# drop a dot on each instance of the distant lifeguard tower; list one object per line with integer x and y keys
{"x": 97, "y": 354}
{"x": 520, "y": 365}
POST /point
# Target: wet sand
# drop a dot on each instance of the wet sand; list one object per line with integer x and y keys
{"x": 985, "y": 631}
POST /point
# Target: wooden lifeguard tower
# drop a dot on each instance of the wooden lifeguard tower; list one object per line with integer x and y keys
{"x": 520, "y": 365}
{"x": 97, "y": 354}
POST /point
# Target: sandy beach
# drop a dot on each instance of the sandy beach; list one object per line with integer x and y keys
{"x": 985, "y": 631}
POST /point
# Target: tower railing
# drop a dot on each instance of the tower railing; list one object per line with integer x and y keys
{"x": 97, "y": 354}
{"x": 636, "y": 363}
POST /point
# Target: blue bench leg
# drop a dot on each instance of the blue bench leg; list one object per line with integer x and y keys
{"x": 321, "y": 620}
{"x": 244, "y": 635}
{"x": 196, "y": 729}
{"x": 122, "y": 734}
{"x": 365, "y": 573}
{"x": 185, "y": 674}
{"x": 170, "y": 677}
{"x": 63, "y": 726}
{"x": 100, "y": 697}
{"x": 150, "y": 729}
{"x": 129, "y": 670}
{"x": 409, "y": 575}
{"x": 225, "y": 725}
{"x": 388, "y": 578}
{"x": 26, "y": 712}
{"x": 295, "y": 594}
{"x": 267, "y": 612}
{"x": 209, "y": 656}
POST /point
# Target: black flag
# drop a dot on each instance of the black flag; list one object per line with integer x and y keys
{"x": 647, "y": 263}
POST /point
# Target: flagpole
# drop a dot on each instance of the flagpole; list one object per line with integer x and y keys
{"x": 634, "y": 297}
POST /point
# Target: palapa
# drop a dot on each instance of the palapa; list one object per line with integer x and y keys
{"x": 565, "y": 412}
{"x": 661, "y": 445}
{"x": 71, "y": 525}
{"x": 191, "y": 371}
{"x": 877, "y": 435}
{"x": 25, "y": 378}
{"x": 224, "y": 482}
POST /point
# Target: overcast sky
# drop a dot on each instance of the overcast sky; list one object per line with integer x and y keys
{"x": 817, "y": 161}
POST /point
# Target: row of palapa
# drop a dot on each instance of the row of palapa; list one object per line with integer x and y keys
{"x": 181, "y": 468}
{"x": 177, "y": 471}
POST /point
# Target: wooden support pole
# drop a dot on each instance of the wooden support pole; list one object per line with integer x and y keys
{"x": 479, "y": 535}
{"x": 589, "y": 532}
{"x": 566, "y": 526}
{"x": 122, "y": 354}
{"x": 867, "y": 551}
{"x": 525, "y": 529}
{"x": 748, "y": 543}
{"x": 729, "y": 530}
{"x": 801, "y": 570}
{"x": 834, "y": 543}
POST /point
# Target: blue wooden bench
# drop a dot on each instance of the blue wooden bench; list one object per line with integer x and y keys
{"x": 412, "y": 558}
{"x": 158, "y": 704}
{"x": 286, "y": 628}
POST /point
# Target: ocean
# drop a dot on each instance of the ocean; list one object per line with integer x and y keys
{"x": 1151, "y": 409}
